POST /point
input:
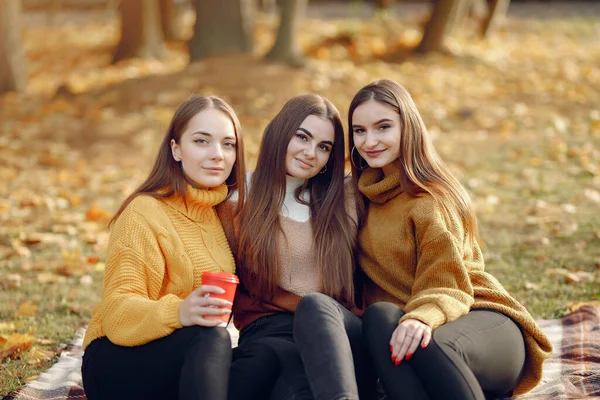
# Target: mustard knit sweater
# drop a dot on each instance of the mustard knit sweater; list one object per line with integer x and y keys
{"x": 418, "y": 260}
{"x": 157, "y": 251}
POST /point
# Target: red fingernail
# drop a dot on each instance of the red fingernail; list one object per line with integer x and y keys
{"x": 398, "y": 361}
{"x": 423, "y": 345}
{"x": 408, "y": 356}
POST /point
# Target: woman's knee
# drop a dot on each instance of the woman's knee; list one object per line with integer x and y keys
{"x": 383, "y": 312}
{"x": 314, "y": 303}
{"x": 214, "y": 337}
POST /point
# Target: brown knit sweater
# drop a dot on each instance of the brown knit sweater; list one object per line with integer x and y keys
{"x": 297, "y": 270}
{"x": 425, "y": 264}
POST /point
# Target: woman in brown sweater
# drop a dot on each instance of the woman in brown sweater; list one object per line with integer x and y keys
{"x": 438, "y": 326}
{"x": 296, "y": 233}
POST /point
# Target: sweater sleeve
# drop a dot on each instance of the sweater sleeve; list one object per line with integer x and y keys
{"x": 133, "y": 313}
{"x": 442, "y": 289}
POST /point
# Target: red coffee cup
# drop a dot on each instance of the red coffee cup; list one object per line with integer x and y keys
{"x": 225, "y": 281}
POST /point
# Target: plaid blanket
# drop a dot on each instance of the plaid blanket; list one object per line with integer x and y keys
{"x": 573, "y": 372}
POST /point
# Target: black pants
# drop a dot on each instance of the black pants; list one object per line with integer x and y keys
{"x": 255, "y": 368}
{"x": 480, "y": 355}
{"x": 333, "y": 350}
{"x": 190, "y": 363}
{"x": 276, "y": 331}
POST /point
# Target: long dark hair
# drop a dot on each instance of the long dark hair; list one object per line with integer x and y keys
{"x": 166, "y": 178}
{"x": 423, "y": 171}
{"x": 259, "y": 227}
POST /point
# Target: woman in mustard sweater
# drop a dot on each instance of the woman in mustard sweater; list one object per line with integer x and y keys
{"x": 152, "y": 336}
{"x": 438, "y": 326}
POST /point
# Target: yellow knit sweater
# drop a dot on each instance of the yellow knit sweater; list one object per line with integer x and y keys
{"x": 416, "y": 259}
{"x": 157, "y": 251}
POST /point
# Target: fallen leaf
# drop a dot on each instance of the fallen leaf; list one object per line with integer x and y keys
{"x": 11, "y": 281}
{"x": 21, "y": 250}
{"x": 27, "y": 309}
{"x": 30, "y": 378}
{"x": 15, "y": 344}
{"x": 7, "y": 326}
{"x": 97, "y": 214}
{"x": 50, "y": 277}
{"x": 37, "y": 355}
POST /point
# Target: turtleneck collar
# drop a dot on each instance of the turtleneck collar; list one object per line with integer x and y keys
{"x": 291, "y": 183}
{"x": 377, "y": 187}
{"x": 198, "y": 201}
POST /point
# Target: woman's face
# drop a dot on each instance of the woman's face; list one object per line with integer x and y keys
{"x": 207, "y": 149}
{"x": 310, "y": 148}
{"x": 376, "y": 132}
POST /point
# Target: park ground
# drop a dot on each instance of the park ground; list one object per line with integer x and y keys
{"x": 516, "y": 117}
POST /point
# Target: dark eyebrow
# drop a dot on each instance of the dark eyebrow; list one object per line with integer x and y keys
{"x": 376, "y": 123}
{"x": 306, "y": 131}
{"x": 327, "y": 142}
{"x": 210, "y": 135}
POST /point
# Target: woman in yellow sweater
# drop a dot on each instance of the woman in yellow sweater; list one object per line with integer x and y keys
{"x": 438, "y": 326}
{"x": 152, "y": 336}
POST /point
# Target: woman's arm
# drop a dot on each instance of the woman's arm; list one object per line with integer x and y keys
{"x": 442, "y": 289}
{"x": 132, "y": 312}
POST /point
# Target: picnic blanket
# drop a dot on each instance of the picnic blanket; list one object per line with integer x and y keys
{"x": 573, "y": 372}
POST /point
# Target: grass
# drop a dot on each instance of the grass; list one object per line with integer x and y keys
{"x": 515, "y": 117}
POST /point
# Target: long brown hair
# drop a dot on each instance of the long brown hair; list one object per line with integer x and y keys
{"x": 166, "y": 178}
{"x": 259, "y": 227}
{"x": 423, "y": 171}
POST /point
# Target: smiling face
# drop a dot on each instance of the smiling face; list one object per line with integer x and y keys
{"x": 376, "y": 131}
{"x": 206, "y": 149}
{"x": 310, "y": 147}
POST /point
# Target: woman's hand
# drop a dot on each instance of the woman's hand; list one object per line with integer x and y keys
{"x": 194, "y": 309}
{"x": 407, "y": 337}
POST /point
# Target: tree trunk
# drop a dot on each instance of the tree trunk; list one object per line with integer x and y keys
{"x": 287, "y": 48}
{"x": 497, "y": 14}
{"x": 478, "y": 9}
{"x": 384, "y": 4}
{"x": 266, "y": 5}
{"x": 444, "y": 18}
{"x": 13, "y": 67}
{"x": 171, "y": 12}
{"x": 222, "y": 27}
{"x": 141, "y": 32}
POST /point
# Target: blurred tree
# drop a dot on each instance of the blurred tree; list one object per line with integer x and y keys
{"x": 444, "y": 18}
{"x": 222, "y": 27}
{"x": 141, "y": 31}
{"x": 13, "y": 68}
{"x": 496, "y": 15}
{"x": 287, "y": 48}
{"x": 171, "y": 12}
{"x": 266, "y": 5}
{"x": 384, "y": 4}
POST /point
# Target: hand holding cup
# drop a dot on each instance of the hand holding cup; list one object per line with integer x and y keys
{"x": 199, "y": 308}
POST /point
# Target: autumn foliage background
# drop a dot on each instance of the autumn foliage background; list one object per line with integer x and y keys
{"x": 516, "y": 117}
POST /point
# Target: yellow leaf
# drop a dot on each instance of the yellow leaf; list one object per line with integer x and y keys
{"x": 15, "y": 344}
{"x": 37, "y": 355}
{"x": 27, "y": 309}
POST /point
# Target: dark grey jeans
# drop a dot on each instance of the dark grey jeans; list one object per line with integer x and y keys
{"x": 276, "y": 331}
{"x": 480, "y": 355}
{"x": 333, "y": 350}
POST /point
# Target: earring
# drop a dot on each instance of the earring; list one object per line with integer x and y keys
{"x": 323, "y": 170}
{"x": 352, "y": 159}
